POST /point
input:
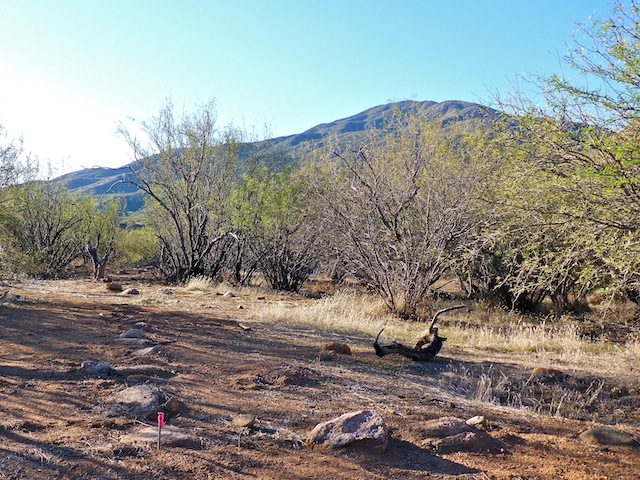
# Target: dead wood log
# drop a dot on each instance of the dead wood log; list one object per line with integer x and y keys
{"x": 418, "y": 353}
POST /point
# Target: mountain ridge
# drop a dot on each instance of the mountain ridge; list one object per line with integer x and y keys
{"x": 98, "y": 181}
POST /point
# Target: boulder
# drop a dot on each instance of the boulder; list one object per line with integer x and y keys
{"x": 137, "y": 401}
{"x": 608, "y": 436}
{"x": 170, "y": 437}
{"x": 364, "y": 428}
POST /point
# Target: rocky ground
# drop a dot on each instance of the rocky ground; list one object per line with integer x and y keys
{"x": 241, "y": 398}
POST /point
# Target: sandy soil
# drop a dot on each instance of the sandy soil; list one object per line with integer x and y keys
{"x": 53, "y": 424}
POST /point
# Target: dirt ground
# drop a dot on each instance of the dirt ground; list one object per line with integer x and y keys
{"x": 53, "y": 424}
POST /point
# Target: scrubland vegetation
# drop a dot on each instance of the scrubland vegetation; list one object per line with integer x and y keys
{"x": 531, "y": 208}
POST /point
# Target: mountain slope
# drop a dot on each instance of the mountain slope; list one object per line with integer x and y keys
{"x": 109, "y": 181}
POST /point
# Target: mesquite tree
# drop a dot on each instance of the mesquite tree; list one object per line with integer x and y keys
{"x": 187, "y": 168}
{"x": 45, "y": 228}
{"x": 399, "y": 207}
{"x": 573, "y": 164}
{"x": 273, "y": 214}
{"x": 101, "y": 223}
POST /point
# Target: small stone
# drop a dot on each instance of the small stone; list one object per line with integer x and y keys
{"x": 138, "y": 400}
{"x": 546, "y": 372}
{"x": 240, "y": 307}
{"x": 96, "y": 368}
{"x": 245, "y": 420}
{"x": 475, "y": 421}
{"x": 170, "y": 437}
{"x": 140, "y": 342}
{"x": 148, "y": 370}
{"x": 166, "y": 291}
{"x": 131, "y": 291}
{"x": 229, "y": 295}
{"x": 342, "y": 348}
{"x": 133, "y": 333}
{"x": 114, "y": 287}
{"x": 143, "y": 352}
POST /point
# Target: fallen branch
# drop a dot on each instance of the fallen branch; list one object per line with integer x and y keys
{"x": 419, "y": 353}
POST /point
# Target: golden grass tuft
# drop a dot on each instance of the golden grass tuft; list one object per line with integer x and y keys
{"x": 546, "y": 343}
{"x": 199, "y": 283}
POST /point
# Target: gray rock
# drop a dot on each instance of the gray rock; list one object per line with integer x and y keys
{"x": 138, "y": 401}
{"x": 143, "y": 352}
{"x": 245, "y": 420}
{"x": 444, "y": 427}
{"x": 140, "y": 342}
{"x": 451, "y": 434}
{"x": 229, "y": 295}
{"x": 131, "y": 291}
{"x": 475, "y": 421}
{"x": 149, "y": 370}
{"x": 96, "y": 368}
{"x": 475, "y": 441}
{"x": 608, "y": 436}
{"x": 170, "y": 437}
{"x": 363, "y": 428}
{"x": 133, "y": 333}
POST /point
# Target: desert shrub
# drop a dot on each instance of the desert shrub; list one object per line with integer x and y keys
{"x": 136, "y": 248}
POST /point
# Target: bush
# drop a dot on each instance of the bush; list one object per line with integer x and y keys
{"x": 136, "y": 248}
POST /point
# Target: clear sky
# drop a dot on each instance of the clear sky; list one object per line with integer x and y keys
{"x": 71, "y": 70}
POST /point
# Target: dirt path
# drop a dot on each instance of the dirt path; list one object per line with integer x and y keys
{"x": 53, "y": 422}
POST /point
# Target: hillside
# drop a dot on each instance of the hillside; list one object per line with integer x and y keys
{"x": 109, "y": 181}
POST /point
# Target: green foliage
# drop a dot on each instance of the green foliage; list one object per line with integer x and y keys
{"x": 567, "y": 202}
{"x": 14, "y": 165}
{"x": 137, "y": 248}
{"x": 272, "y": 216}
{"x": 45, "y": 227}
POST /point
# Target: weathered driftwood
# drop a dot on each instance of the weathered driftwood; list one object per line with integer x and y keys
{"x": 419, "y": 353}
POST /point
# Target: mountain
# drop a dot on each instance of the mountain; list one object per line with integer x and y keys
{"x": 113, "y": 181}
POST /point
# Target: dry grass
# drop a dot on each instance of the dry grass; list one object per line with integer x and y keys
{"x": 199, "y": 284}
{"x": 545, "y": 343}
{"x": 493, "y": 354}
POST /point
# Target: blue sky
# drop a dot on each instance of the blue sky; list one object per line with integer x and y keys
{"x": 71, "y": 70}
